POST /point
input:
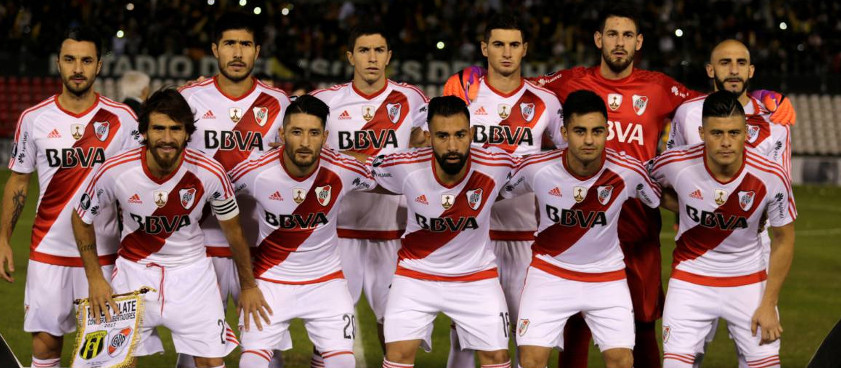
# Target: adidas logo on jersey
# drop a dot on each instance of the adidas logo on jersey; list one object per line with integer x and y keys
{"x": 135, "y": 199}
{"x": 556, "y": 192}
{"x": 481, "y": 111}
{"x": 696, "y": 194}
{"x": 208, "y": 115}
{"x": 421, "y": 199}
{"x": 276, "y": 196}
{"x": 54, "y": 134}
{"x": 344, "y": 115}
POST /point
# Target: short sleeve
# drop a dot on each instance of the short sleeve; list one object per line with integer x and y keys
{"x": 781, "y": 209}
{"x": 657, "y": 171}
{"x": 676, "y": 94}
{"x": 386, "y": 172}
{"x": 645, "y": 189}
{"x": 98, "y": 194}
{"x": 132, "y": 138}
{"x": 23, "y": 148}
{"x": 520, "y": 180}
{"x": 556, "y": 121}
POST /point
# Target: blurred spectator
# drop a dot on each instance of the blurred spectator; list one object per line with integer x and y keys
{"x": 134, "y": 88}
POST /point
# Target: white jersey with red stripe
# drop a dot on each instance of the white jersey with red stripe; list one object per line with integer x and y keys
{"x": 770, "y": 139}
{"x": 376, "y": 124}
{"x": 160, "y": 216}
{"x": 579, "y": 215}
{"x": 517, "y": 123}
{"x": 232, "y": 130}
{"x": 66, "y": 148}
{"x": 297, "y": 243}
{"x": 717, "y": 240}
{"x": 447, "y": 232}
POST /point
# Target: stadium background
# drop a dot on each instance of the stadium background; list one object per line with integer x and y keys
{"x": 795, "y": 47}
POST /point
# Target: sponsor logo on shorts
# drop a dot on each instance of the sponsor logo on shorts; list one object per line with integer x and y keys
{"x": 523, "y": 326}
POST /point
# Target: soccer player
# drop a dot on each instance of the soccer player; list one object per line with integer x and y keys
{"x": 725, "y": 192}
{"x": 372, "y": 115}
{"x": 577, "y": 265}
{"x": 514, "y": 115}
{"x": 445, "y": 263}
{"x": 64, "y": 138}
{"x": 299, "y": 189}
{"x": 238, "y": 116}
{"x": 162, "y": 188}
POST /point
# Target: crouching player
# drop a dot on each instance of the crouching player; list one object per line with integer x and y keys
{"x": 299, "y": 189}
{"x": 577, "y": 264}
{"x": 162, "y": 188}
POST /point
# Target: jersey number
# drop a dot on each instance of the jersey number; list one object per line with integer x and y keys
{"x": 506, "y": 323}
{"x": 350, "y": 324}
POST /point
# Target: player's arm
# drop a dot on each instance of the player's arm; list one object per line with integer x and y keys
{"x": 14, "y": 199}
{"x": 99, "y": 290}
{"x": 782, "y": 252}
{"x": 669, "y": 201}
{"x": 417, "y": 138}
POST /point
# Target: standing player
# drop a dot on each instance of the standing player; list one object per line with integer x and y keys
{"x": 162, "y": 189}
{"x": 64, "y": 138}
{"x": 299, "y": 189}
{"x": 237, "y": 117}
{"x": 514, "y": 115}
{"x": 577, "y": 264}
{"x": 372, "y": 115}
{"x": 725, "y": 192}
{"x": 445, "y": 263}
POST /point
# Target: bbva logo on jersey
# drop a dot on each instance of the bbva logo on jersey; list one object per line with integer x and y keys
{"x": 323, "y": 195}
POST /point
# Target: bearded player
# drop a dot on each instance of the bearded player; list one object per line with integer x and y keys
{"x": 725, "y": 193}
{"x": 65, "y": 138}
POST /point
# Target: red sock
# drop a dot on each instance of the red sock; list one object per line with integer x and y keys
{"x": 646, "y": 349}
{"x": 576, "y": 344}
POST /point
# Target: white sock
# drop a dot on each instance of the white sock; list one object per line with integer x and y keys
{"x": 772, "y": 361}
{"x": 255, "y": 358}
{"x": 387, "y": 364}
{"x": 673, "y": 360}
{"x": 46, "y": 363}
{"x": 338, "y": 359}
{"x": 498, "y": 365}
{"x": 316, "y": 361}
{"x": 459, "y": 358}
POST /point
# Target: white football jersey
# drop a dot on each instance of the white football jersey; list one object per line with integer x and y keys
{"x": 380, "y": 123}
{"x": 516, "y": 123}
{"x": 159, "y": 216}
{"x": 66, "y": 148}
{"x": 232, "y": 130}
{"x": 579, "y": 216}
{"x": 447, "y": 232}
{"x": 717, "y": 242}
{"x": 770, "y": 139}
{"x": 297, "y": 241}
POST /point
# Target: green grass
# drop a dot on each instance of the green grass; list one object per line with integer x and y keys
{"x": 810, "y": 303}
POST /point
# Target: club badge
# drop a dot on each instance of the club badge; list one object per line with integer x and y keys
{"x": 101, "y": 129}
{"x": 393, "y": 112}
{"x": 474, "y": 198}
{"x": 746, "y": 200}
{"x": 261, "y": 114}
{"x": 447, "y": 200}
{"x": 503, "y": 110}
{"x": 160, "y": 197}
{"x": 77, "y": 130}
{"x": 720, "y": 197}
{"x": 579, "y": 193}
{"x": 235, "y": 113}
{"x": 527, "y": 110}
{"x": 187, "y": 197}
{"x": 614, "y": 101}
{"x": 368, "y": 112}
{"x": 322, "y": 194}
{"x": 604, "y": 192}
{"x": 640, "y": 103}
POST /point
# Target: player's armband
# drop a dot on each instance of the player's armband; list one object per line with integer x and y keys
{"x": 225, "y": 209}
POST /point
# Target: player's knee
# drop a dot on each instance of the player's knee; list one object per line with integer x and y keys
{"x": 618, "y": 358}
{"x": 46, "y": 346}
{"x": 209, "y": 362}
{"x": 493, "y": 357}
{"x": 400, "y": 352}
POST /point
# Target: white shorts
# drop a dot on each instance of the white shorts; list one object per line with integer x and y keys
{"x": 512, "y": 259}
{"x": 369, "y": 265}
{"x": 227, "y": 277}
{"x": 49, "y": 295}
{"x": 476, "y": 307}
{"x": 187, "y": 302}
{"x": 691, "y": 309}
{"x": 325, "y": 307}
{"x": 548, "y": 301}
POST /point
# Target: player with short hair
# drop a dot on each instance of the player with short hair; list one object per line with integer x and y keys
{"x": 237, "y": 117}
{"x": 162, "y": 188}
{"x": 299, "y": 189}
{"x": 445, "y": 264}
{"x": 725, "y": 192}
{"x": 65, "y": 138}
{"x": 577, "y": 264}
{"x": 372, "y": 115}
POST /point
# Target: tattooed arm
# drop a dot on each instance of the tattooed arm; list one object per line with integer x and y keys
{"x": 14, "y": 199}
{"x": 99, "y": 291}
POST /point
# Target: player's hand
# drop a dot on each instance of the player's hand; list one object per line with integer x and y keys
{"x": 7, "y": 263}
{"x": 99, "y": 294}
{"x": 778, "y": 104}
{"x": 465, "y": 84}
{"x": 766, "y": 320}
{"x": 252, "y": 303}
{"x": 193, "y": 82}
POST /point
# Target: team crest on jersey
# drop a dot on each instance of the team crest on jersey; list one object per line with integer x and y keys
{"x": 720, "y": 197}
{"x": 261, "y": 114}
{"x": 77, "y": 130}
{"x": 474, "y": 198}
{"x": 393, "y": 112}
{"x": 101, "y": 129}
{"x": 746, "y": 200}
{"x": 447, "y": 200}
{"x": 753, "y": 133}
{"x": 578, "y": 193}
{"x": 298, "y": 195}
{"x": 160, "y": 197}
{"x": 527, "y": 110}
{"x": 323, "y": 194}
{"x": 605, "y": 192}
{"x": 503, "y": 110}
{"x": 640, "y": 103}
{"x": 235, "y": 113}
{"x": 368, "y": 112}
{"x": 523, "y": 327}
{"x": 188, "y": 196}
{"x": 614, "y": 101}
